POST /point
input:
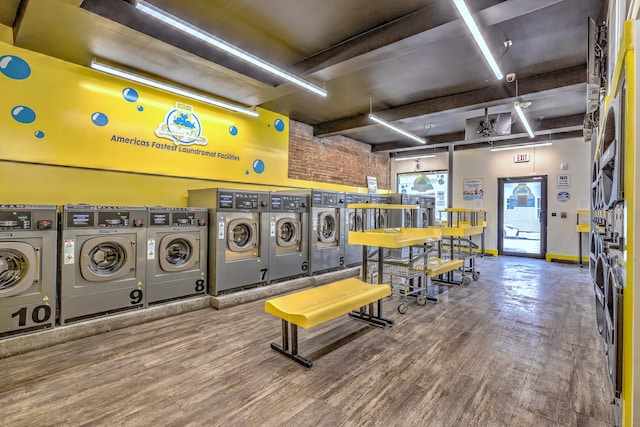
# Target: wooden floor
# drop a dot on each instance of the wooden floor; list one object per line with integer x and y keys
{"x": 519, "y": 347}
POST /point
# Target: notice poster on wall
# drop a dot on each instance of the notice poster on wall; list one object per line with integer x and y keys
{"x": 472, "y": 189}
{"x": 426, "y": 183}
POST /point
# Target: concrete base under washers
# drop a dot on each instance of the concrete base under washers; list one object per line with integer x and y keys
{"x": 19, "y": 344}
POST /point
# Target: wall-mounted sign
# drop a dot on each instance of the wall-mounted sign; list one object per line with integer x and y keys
{"x": 564, "y": 180}
{"x": 521, "y": 158}
{"x": 472, "y": 189}
{"x": 563, "y": 196}
{"x": 372, "y": 184}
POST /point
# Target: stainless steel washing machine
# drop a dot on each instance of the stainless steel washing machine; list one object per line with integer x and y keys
{"x": 28, "y": 258}
{"x": 102, "y": 260}
{"x": 238, "y": 237}
{"x": 327, "y": 231}
{"x": 427, "y": 212}
{"x": 356, "y": 220}
{"x": 406, "y": 218}
{"x": 288, "y": 235}
{"x": 611, "y": 160}
{"x": 379, "y": 218}
{"x": 176, "y": 253}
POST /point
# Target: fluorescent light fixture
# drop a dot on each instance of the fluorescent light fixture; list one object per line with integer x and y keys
{"x": 225, "y": 46}
{"x": 169, "y": 88}
{"x": 523, "y": 119}
{"x": 424, "y": 156}
{"x": 397, "y": 129}
{"x": 514, "y": 147}
{"x": 477, "y": 36}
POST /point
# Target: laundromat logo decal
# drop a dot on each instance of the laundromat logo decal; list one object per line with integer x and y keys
{"x": 182, "y": 126}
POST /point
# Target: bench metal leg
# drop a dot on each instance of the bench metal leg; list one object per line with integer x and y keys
{"x": 369, "y": 316}
{"x": 284, "y": 348}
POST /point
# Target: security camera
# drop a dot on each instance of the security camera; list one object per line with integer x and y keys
{"x": 511, "y": 77}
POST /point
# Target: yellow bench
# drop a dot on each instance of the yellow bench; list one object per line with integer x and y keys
{"x": 317, "y": 305}
{"x": 437, "y": 266}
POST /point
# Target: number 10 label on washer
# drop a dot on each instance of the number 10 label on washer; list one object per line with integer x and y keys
{"x": 69, "y": 251}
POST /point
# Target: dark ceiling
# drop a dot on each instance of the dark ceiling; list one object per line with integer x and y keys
{"x": 413, "y": 62}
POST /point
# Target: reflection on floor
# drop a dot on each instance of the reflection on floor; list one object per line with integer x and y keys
{"x": 519, "y": 347}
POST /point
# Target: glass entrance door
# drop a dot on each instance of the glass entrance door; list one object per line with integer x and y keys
{"x": 522, "y": 216}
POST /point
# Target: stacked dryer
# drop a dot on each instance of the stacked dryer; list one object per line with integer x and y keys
{"x": 356, "y": 220}
{"x": 103, "y": 263}
{"x": 289, "y": 235}
{"x": 238, "y": 237}
{"x": 327, "y": 231}
{"x": 176, "y": 253}
{"x": 607, "y": 235}
{"x": 28, "y": 258}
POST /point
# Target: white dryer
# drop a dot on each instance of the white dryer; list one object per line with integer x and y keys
{"x": 238, "y": 241}
{"x": 28, "y": 258}
{"x": 176, "y": 253}
{"x": 102, "y": 260}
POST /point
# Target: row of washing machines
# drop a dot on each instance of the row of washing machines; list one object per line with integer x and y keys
{"x": 63, "y": 264}
{"x": 264, "y": 237}
{"x": 69, "y": 263}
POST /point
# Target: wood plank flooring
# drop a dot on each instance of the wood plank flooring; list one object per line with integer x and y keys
{"x": 519, "y": 347}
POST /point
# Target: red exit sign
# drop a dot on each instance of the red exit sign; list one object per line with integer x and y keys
{"x": 521, "y": 158}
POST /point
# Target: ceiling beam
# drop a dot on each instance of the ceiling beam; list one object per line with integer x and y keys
{"x": 425, "y": 26}
{"x": 548, "y": 128}
{"x": 462, "y": 102}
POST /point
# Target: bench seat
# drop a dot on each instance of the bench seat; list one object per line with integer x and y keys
{"x": 311, "y": 307}
{"x": 317, "y": 305}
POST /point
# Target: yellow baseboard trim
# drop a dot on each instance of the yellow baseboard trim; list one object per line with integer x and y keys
{"x": 559, "y": 257}
{"x": 492, "y": 252}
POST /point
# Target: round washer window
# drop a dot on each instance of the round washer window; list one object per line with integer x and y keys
{"x": 178, "y": 252}
{"x": 107, "y": 258}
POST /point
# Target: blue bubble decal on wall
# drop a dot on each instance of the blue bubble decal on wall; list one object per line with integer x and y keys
{"x": 279, "y": 125}
{"x": 258, "y": 166}
{"x": 246, "y": 172}
{"x": 130, "y": 94}
{"x": 39, "y": 134}
{"x": 23, "y": 114}
{"x": 233, "y": 130}
{"x": 140, "y": 108}
{"x": 14, "y": 67}
{"x": 99, "y": 119}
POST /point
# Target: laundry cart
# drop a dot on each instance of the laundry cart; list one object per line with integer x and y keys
{"x": 401, "y": 257}
{"x": 457, "y": 243}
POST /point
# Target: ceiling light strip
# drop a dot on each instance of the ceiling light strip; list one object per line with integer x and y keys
{"x": 397, "y": 129}
{"x": 425, "y": 156}
{"x": 169, "y": 88}
{"x": 225, "y": 46}
{"x": 523, "y": 119}
{"x": 477, "y": 36}
{"x": 514, "y": 147}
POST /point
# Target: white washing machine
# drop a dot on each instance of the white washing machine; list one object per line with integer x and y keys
{"x": 288, "y": 235}
{"x": 356, "y": 220}
{"x": 327, "y": 231}
{"x": 28, "y": 258}
{"x": 102, "y": 260}
{"x": 238, "y": 237}
{"x": 176, "y": 253}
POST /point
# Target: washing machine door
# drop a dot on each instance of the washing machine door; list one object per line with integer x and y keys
{"x": 107, "y": 258}
{"x": 178, "y": 252}
{"x": 327, "y": 227}
{"x": 381, "y": 221}
{"x": 355, "y": 221}
{"x": 242, "y": 235}
{"x": 18, "y": 267}
{"x": 288, "y": 232}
